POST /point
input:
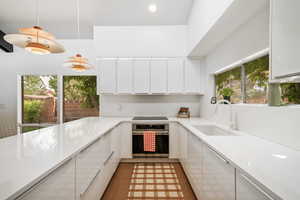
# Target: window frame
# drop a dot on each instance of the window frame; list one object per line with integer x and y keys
{"x": 20, "y": 121}
{"x": 241, "y": 64}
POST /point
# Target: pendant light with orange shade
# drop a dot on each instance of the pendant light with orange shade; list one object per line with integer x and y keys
{"x": 78, "y": 62}
{"x": 35, "y": 39}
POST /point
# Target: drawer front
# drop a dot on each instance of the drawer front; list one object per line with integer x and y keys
{"x": 218, "y": 177}
{"x": 89, "y": 162}
{"x": 246, "y": 189}
{"x": 59, "y": 185}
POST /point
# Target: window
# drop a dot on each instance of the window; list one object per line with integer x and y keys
{"x": 228, "y": 85}
{"x": 256, "y": 81}
{"x": 39, "y": 101}
{"x": 80, "y": 97}
{"x": 290, "y": 93}
{"x": 247, "y": 83}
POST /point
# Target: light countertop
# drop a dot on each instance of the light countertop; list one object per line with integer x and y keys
{"x": 28, "y": 157}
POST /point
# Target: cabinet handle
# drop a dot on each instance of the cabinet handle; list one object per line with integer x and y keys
{"x": 256, "y": 186}
{"x": 90, "y": 183}
{"x": 42, "y": 180}
{"x": 218, "y": 156}
{"x": 109, "y": 157}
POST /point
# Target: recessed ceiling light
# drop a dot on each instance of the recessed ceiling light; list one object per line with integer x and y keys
{"x": 152, "y": 8}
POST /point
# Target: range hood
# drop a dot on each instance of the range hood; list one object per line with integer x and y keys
{"x": 5, "y": 46}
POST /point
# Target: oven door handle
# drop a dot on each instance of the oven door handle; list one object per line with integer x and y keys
{"x": 156, "y": 132}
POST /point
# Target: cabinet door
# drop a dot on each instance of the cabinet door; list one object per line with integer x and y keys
{"x": 192, "y": 76}
{"x": 126, "y": 140}
{"x": 99, "y": 182}
{"x": 189, "y": 155}
{"x": 125, "y": 76}
{"x": 183, "y": 146}
{"x": 174, "y": 142}
{"x": 59, "y": 185}
{"x": 141, "y": 76}
{"x": 116, "y": 144}
{"x": 285, "y": 37}
{"x": 175, "y": 76}
{"x": 89, "y": 164}
{"x": 158, "y": 76}
{"x": 247, "y": 189}
{"x": 217, "y": 178}
{"x": 107, "y": 70}
{"x": 196, "y": 159}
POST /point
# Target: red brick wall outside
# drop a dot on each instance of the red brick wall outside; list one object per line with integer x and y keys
{"x": 48, "y": 111}
{"x": 73, "y": 110}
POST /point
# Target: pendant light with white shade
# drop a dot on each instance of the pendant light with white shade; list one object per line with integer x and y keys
{"x": 78, "y": 62}
{"x": 35, "y": 39}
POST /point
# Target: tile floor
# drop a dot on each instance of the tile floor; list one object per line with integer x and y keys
{"x": 149, "y": 181}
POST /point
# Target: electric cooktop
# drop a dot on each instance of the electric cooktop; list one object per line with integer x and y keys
{"x": 150, "y": 118}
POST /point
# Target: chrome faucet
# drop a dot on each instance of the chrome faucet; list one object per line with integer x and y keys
{"x": 232, "y": 124}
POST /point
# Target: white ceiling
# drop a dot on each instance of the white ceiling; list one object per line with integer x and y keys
{"x": 59, "y": 16}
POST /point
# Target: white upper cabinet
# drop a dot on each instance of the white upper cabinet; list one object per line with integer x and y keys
{"x": 141, "y": 68}
{"x": 125, "y": 76}
{"x": 149, "y": 76}
{"x": 158, "y": 76}
{"x": 175, "y": 75}
{"x": 107, "y": 74}
{"x": 285, "y": 38}
{"x": 192, "y": 76}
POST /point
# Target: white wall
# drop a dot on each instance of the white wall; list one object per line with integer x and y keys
{"x": 203, "y": 16}
{"x": 140, "y": 41}
{"x": 20, "y": 62}
{"x": 128, "y": 105}
{"x": 276, "y": 124}
{"x": 143, "y": 41}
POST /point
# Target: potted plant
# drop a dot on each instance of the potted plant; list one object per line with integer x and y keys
{"x": 227, "y": 93}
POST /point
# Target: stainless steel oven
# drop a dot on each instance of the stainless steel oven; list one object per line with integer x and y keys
{"x": 161, "y": 139}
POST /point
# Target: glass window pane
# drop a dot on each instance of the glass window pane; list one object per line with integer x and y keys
{"x": 290, "y": 93}
{"x": 257, "y": 77}
{"x": 80, "y": 97}
{"x": 39, "y": 98}
{"x": 228, "y": 85}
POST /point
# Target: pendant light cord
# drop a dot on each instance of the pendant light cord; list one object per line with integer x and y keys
{"x": 37, "y": 12}
{"x": 78, "y": 18}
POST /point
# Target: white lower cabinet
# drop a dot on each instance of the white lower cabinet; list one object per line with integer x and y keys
{"x": 173, "y": 140}
{"x": 126, "y": 140}
{"x": 210, "y": 175}
{"x": 218, "y": 177}
{"x": 84, "y": 177}
{"x": 247, "y": 189}
{"x": 195, "y": 158}
{"x": 89, "y": 165}
{"x": 59, "y": 185}
{"x": 111, "y": 152}
{"x": 183, "y": 146}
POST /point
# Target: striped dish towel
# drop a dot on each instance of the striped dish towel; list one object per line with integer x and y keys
{"x": 149, "y": 141}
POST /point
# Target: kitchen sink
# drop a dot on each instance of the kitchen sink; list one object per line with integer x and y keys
{"x": 211, "y": 130}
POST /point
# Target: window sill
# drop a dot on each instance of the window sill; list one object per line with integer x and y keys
{"x": 297, "y": 106}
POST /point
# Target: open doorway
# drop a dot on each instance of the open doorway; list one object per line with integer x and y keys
{"x": 80, "y": 97}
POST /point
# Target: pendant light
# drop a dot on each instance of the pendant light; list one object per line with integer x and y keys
{"x": 35, "y": 39}
{"x": 78, "y": 62}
